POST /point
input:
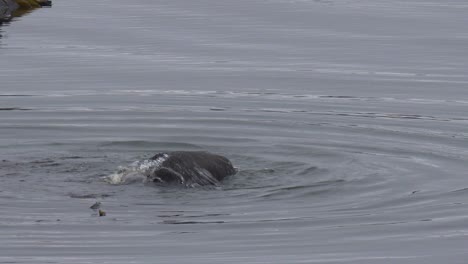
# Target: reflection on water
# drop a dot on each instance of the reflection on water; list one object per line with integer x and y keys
{"x": 5, "y": 17}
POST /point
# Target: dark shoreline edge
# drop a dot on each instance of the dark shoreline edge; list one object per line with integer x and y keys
{"x": 14, "y": 8}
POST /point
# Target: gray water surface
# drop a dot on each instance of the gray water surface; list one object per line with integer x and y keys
{"x": 347, "y": 121}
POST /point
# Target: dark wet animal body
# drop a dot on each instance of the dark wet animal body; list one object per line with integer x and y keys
{"x": 191, "y": 168}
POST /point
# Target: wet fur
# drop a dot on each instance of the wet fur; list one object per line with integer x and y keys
{"x": 191, "y": 167}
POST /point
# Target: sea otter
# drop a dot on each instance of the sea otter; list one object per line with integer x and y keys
{"x": 190, "y": 168}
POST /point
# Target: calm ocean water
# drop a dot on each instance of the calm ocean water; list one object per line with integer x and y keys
{"x": 346, "y": 119}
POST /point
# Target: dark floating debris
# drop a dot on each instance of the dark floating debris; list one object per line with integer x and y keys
{"x": 96, "y": 206}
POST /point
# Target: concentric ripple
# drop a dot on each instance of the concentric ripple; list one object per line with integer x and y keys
{"x": 346, "y": 121}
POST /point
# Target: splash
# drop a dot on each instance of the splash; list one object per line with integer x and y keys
{"x": 138, "y": 171}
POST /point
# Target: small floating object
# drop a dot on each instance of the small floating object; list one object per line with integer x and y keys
{"x": 96, "y": 206}
{"x": 102, "y": 213}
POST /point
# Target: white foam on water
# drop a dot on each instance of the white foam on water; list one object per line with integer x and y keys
{"x": 138, "y": 171}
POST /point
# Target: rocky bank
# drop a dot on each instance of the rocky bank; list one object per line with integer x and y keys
{"x": 9, "y": 8}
